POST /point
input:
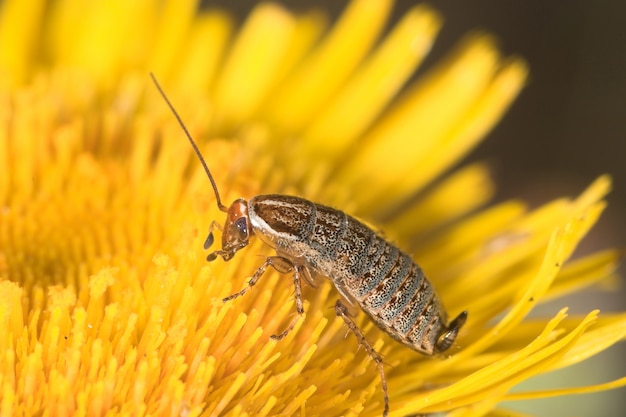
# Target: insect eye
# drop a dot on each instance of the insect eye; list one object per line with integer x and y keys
{"x": 242, "y": 226}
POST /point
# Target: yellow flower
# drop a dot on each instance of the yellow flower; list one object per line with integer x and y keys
{"x": 107, "y": 305}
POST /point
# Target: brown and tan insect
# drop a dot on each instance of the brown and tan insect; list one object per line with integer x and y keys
{"x": 313, "y": 240}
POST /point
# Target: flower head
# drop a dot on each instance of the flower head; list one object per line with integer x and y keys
{"x": 107, "y": 305}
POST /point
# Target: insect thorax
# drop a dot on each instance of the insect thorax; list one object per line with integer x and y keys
{"x": 288, "y": 224}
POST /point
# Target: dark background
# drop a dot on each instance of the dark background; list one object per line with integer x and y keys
{"x": 567, "y": 127}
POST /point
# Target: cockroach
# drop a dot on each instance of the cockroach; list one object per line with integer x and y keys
{"x": 312, "y": 240}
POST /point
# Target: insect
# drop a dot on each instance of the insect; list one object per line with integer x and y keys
{"x": 370, "y": 274}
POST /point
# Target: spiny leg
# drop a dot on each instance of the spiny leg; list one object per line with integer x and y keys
{"x": 280, "y": 264}
{"x": 283, "y": 266}
{"x": 343, "y": 312}
{"x": 297, "y": 285}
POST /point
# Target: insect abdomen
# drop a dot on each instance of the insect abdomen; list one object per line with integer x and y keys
{"x": 386, "y": 283}
{"x": 391, "y": 289}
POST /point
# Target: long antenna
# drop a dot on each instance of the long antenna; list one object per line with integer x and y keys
{"x": 193, "y": 144}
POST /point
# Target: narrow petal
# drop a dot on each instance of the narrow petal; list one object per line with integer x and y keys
{"x": 264, "y": 40}
{"x": 495, "y": 379}
{"x": 584, "y": 272}
{"x": 603, "y": 335}
{"x": 474, "y": 83}
{"x": 204, "y": 51}
{"x": 469, "y": 188}
{"x": 169, "y": 33}
{"x": 507, "y": 413}
{"x": 559, "y": 249}
{"x": 618, "y": 383}
{"x": 317, "y": 78}
{"x": 461, "y": 244}
{"x": 20, "y": 25}
{"x": 77, "y": 28}
{"x": 373, "y": 85}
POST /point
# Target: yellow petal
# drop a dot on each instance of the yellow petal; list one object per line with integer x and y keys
{"x": 494, "y": 380}
{"x": 584, "y": 272}
{"x": 469, "y": 82}
{"x": 20, "y": 24}
{"x": 169, "y": 34}
{"x": 603, "y": 335}
{"x": 318, "y": 76}
{"x": 469, "y": 188}
{"x": 203, "y": 53}
{"x": 618, "y": 383}
{"x": 263, "y": 40}
{"x": 373, "y": 85}
{"x": 507, "y": 413}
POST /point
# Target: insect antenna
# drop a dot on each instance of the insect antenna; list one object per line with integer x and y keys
{"x": 221, "y": 206}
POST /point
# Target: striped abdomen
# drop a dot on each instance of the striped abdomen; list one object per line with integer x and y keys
{"x": 366, "y": 269}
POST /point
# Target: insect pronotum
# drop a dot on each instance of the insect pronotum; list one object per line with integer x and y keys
{"x": 370, "y": 274}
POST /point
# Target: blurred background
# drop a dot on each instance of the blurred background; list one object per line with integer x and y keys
{"x": 567, "y": 127}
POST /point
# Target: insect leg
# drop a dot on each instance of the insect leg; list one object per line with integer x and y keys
{"x": 282, "y": 265}
{"x": 312, "y": 279}
{"x": 342, "y": 311}
{"x": 297, "y": 285}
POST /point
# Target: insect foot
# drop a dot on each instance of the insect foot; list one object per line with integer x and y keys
{"x": 283, "y": 266}
{"x": 342, "y": 311}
